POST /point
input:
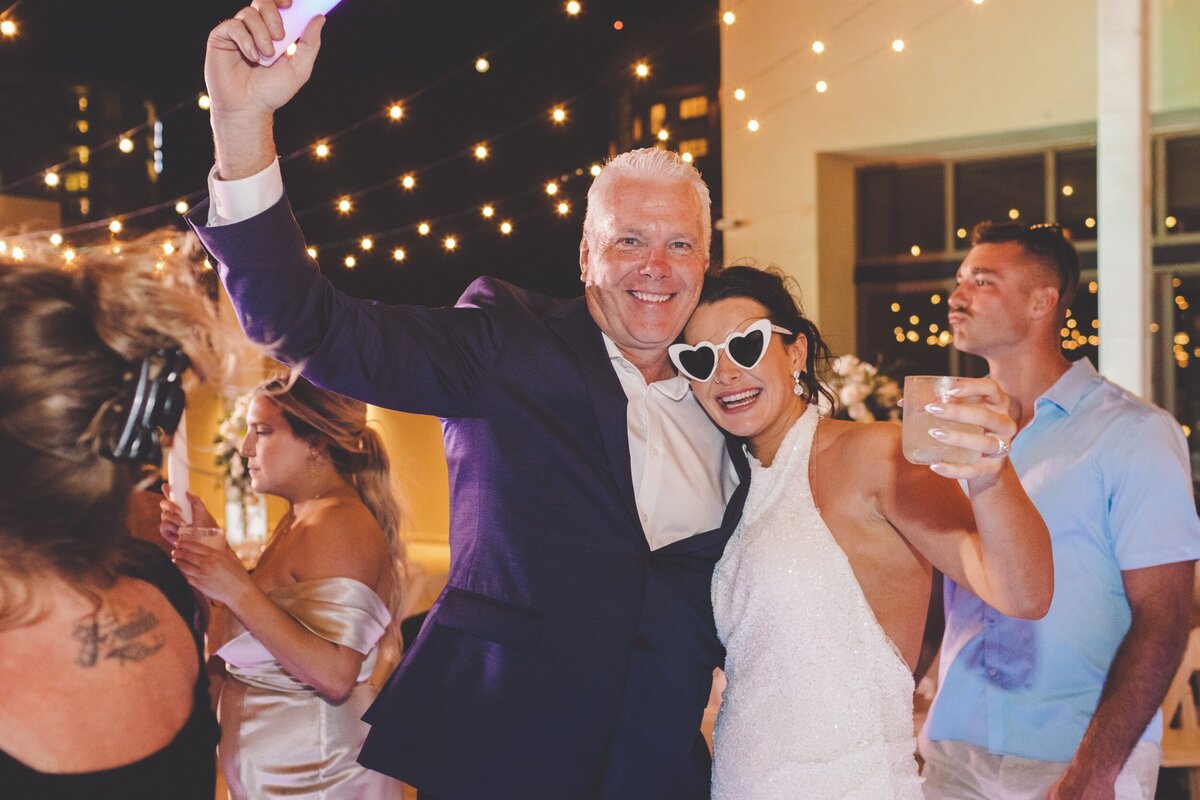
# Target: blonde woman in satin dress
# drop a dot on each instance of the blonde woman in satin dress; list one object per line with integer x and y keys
{"x": 305, "y": 626}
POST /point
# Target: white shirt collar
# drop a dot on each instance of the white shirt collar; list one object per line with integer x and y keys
{"x": 676, "y": 387}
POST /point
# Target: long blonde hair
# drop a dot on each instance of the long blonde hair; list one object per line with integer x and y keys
{"x": 70, "y": 341}
{"x": 338, "y": 425}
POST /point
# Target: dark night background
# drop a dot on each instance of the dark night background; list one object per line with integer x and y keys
{"x": 375, "y": 52}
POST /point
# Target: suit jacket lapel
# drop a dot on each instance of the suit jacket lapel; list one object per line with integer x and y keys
{"x": 578, "y": 331}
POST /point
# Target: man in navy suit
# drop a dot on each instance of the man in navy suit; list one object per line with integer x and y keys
{"x": 571, "y": 654}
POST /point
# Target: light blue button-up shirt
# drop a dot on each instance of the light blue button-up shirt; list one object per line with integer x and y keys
{"x": 1111, "y": 476}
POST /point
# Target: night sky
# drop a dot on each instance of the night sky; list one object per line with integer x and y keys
{"x": 375, "y": 52}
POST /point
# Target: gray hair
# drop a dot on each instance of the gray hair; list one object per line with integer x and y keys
{"x": 649, "y": 162}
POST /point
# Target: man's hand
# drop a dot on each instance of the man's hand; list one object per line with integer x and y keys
{"x": 1080, "y": 784}
{"x": 244, "y": 94}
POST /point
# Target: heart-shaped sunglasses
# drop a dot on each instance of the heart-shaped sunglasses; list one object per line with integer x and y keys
{"x": 744, "y": 348}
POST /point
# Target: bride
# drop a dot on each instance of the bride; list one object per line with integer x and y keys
{"x": 821, "y": 595}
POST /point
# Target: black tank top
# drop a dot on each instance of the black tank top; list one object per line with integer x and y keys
{"x": 183, "y": 770}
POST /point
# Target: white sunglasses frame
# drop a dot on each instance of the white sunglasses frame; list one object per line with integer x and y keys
{"x": 763, "y": 325}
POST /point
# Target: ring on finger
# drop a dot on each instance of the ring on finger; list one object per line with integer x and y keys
{"x": 1002, "y": 448}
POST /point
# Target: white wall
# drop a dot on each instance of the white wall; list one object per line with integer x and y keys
{"x": 972, "y": 78}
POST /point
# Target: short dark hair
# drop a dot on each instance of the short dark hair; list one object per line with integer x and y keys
{"x": 771, "y": 288}
{"x": 1048, "y": 243}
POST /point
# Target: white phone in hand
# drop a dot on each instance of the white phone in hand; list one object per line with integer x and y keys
{"x": 295, "y": 19}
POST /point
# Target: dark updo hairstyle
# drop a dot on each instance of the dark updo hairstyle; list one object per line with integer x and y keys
{"x": 772, "y": 289}
{"x": 71, "y": 338}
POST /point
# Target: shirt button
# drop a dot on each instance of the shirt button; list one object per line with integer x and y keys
{"x": 645, "y": 517}
{"x": 655, "y": 452}
{"x": 991, "y": 672}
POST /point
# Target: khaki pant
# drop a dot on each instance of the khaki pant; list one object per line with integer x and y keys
{"x": 961, "y": 771}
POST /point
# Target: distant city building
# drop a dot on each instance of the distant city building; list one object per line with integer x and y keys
{"x": 78, "y": 127}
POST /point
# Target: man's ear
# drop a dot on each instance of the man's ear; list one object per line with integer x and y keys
{"x": 584, "y": 254}
{"x": 1045, "y": 301}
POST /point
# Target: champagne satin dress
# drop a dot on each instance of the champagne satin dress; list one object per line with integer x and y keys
{"x": 279, "y": 738}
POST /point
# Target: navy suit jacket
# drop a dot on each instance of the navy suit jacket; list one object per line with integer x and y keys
{"x": 564, "y": 659}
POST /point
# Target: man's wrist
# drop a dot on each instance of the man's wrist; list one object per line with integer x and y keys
{"x": 244, "y": 142}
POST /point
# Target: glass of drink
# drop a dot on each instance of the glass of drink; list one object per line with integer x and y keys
{"x": 212, "y": 537}
{"x": 919, "y": 447}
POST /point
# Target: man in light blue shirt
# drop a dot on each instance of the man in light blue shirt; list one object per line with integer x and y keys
{"x": 1065, "y": 706}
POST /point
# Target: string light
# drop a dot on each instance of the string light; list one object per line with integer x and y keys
{"x": 450, "y": 243}
{"x": 290, "y": 50}
{"x": 558, "y": 114}
{"x": 822, "y": 87}
{"x": 398, "y": 254}
{"x": 423, "y": 229}
{"x": 729, "y": 18}
{"x": 350, "y": 262}
{"x": 204, "y": 101}
{"x": 818, "y": 47}
{"x": 573, "y": 8}
{"x": 321, "y": 150}
{"x": 482, "y": 65}
{"x": 115, "y": 226}
{"x": 915, "y": 249}
{"x": 752, "y": 126}
{"x": 481, "y": 151}
{"x": 663, "y": 134}
{"x": 18, "y": 253}
{"x": 641, "y": 69}
{"x": 408, "y": 181}
{"x": 551, "y": 188}
{"x": 344, "y": 205}
{"x": 3, "y": 247}
{"x": 898, "y": 45}
{"x": 563, "y": 209}
{"x": 8, "y": 28}
{"x": 687, "y": 157}
{"x": 595, "y": 170}
{"x": 506, "y": 227}
{"x": 56, "y": 239}
{"x": 367, "y": 243}
{"x": 396, "y": 112}
{"x": 168, "y": 249}
{"x": 488, "y": 212}
{"x": 1068, "y": 190}
{"x": 51, "y": 179}
{"x": 207, "y": 264}
{"x": 1014, "y": 213}
{"x": 739, "y": 94}
{"x": 312, "y": 252}
{"x": 68, "y": 255}
{"x": 125, "y": 145}
{"x": 181, "y": 207}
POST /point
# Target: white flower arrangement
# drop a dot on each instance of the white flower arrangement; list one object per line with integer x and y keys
{"x": 229, "y": 459}
{"x": 864, "y": 393}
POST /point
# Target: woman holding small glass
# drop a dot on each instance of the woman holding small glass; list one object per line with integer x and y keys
{"x": 306, "y": 625}
{"x": 821, "y": 595}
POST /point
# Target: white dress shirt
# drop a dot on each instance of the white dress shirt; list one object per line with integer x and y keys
{"x": 683, "y": 476}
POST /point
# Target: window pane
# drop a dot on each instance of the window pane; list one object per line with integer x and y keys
{"x": 1183, "y": 185}
{"x": 1186, "y": 351}
{"x": 1001, "y": 190}
{"x": 1076, "y": 192}
{"x": 900, "y": 208}
{"x": 895, "y": 342}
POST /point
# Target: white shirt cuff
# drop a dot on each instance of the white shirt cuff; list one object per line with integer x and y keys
{"x": 234, "y": 201}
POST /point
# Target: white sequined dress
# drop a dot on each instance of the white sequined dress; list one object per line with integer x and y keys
{"x": 819, "y": 702}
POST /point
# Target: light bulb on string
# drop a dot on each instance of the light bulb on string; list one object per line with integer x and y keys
{"x": 312, "y": 252}
{"x": 395, "y": 112}
{"x": 739, "y": 94}
{"x": 290, "y": 50}
{"x": 351, "y": 262}
{"x": 115, "y": 226}
{"x": 482, "y": 65}
{"x": 181, "y": 207}
{"x": 729, "y": 18}
{"x": 574, "y": 7}
{"x": 168, "y": 248}
{"x": 450, "y": 243}
{"x": 551, "y": 188}
{"x": 822, "y": 87}
{"x": 18, "y": 253}
{"x": 663, "y": 134}
{"x": 687, "y": 157}
{"x": 321, "y": 150}
{"x": 56, "y": 239}
{"x": 563, "y": 208}
{"x": 408, "y": 181}
{"x": 488, "y": 212}
{"x": 818, "y": 47}
{"x": 898, "y": 45}
{"x": 398, "y": 254}
{"x": 558, "y": 114}
{"x": 506, "y": 227}
{"x": 481, "y": 151}
{"x": 595, "y": 170}
{"x": 8, "y": 28}
{"x": 125, "y": 145}
{"x": 752, "y": 126}
{"x": 367, "y": 243}
{"x": 641, "y": 69}
{"x": 52, "y": 179}
{"x": 69, "y": 255}
{"x": 204, "y": 101}
{"x": 344, "y": 205}
{"x": 423, "y": 229}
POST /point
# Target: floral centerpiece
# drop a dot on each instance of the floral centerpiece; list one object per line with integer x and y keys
{"x": 864, "y": 393}
{"x": 232, "y": 464}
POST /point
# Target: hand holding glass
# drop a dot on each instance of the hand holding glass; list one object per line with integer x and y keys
{"x": 919, "y": 447}
{"x": 212, "y": 537}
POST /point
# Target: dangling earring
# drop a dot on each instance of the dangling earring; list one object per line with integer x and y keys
{"x": 798, "y": 389}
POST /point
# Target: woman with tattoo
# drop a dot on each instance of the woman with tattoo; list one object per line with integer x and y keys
{"x": 306, "y": 625}
{"x": 102, "y": 688}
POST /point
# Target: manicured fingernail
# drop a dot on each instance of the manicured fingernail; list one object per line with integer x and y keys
{"x": 938, "y": 434}
{"x": 940, "y": 469}
{"x": 934, "y": 408}
{"x": 955, "y": 392}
